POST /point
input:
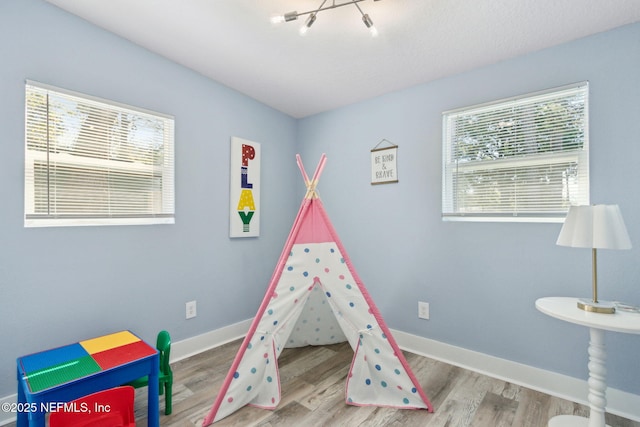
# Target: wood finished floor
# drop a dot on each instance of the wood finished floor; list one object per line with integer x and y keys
{"x": 313, "y": 395}
{"x": 313, "y": 381}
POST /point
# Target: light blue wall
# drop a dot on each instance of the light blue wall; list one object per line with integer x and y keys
{"x": 57, "y": 285}
{"x": 61, "y": 284}
{"x": 482, "y": 279}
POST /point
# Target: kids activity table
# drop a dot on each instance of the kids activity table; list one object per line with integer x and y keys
{"x": 48, "y": 379}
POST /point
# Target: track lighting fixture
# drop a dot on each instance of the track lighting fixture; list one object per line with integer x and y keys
{"x": 292, "y": 16}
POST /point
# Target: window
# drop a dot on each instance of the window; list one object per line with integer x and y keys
{"x": 520, "y": 159}
{"x": 94, "y": 162}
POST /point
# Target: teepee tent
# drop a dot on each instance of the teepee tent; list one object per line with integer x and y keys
{"x": 315, "y": 297}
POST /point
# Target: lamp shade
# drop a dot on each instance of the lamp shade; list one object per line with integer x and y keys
{"x": 595, "y": 226}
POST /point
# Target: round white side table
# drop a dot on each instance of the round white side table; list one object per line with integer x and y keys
{"x": 567, "y": 309}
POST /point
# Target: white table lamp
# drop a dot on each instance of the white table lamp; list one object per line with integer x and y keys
{"x": 595, "y": 227}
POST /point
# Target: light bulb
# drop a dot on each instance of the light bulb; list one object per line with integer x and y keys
{"x": 310, "y": 20}
{"x": 289, "y": 16}
{"x": 369, "y": 23}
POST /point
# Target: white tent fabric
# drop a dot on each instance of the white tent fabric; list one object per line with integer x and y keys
{"x": 316, "y": 298}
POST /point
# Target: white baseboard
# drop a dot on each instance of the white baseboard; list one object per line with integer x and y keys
{"x": 194, "y": 345}
{"x": 619, "y": 402}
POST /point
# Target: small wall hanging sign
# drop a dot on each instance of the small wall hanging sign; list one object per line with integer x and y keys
{"x": 244, "y": 203}
{"x": 384, "y": 168}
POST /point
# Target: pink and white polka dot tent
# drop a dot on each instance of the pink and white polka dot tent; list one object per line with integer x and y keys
{"x": 315, "y": 297}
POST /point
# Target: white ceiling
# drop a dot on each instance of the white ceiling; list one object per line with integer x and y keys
{"x": 338, "y": 62}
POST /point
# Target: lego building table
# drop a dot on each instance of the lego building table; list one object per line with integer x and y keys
{"x": 48, "y": 379}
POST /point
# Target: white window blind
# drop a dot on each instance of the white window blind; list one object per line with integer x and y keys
{"x": 90, "y": 161}
{"x": 522, "y": 159}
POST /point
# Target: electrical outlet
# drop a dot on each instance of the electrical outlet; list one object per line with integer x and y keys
{"x": 191, "y": 309}
{"x": 423, "y": 310}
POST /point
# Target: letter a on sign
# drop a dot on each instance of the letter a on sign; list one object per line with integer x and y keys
{"x": 244, "y": 182}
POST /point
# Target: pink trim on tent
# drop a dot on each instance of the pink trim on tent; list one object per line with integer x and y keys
{"x": 373, "y": 307}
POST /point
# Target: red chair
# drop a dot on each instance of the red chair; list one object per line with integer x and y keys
{"x": 107, "y": 408}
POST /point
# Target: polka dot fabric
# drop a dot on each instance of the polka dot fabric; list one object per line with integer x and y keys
{"x": 317, "y": 302}
{"x": 316, "y": 298}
